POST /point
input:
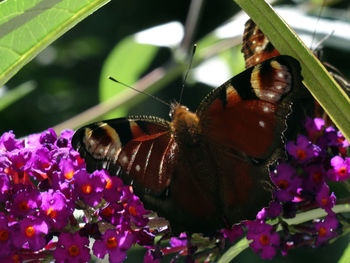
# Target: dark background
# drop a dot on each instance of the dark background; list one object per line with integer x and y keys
{"x": 69, "y": 84}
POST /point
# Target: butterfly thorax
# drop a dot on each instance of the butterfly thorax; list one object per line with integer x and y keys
{"x": 184, "y": 124}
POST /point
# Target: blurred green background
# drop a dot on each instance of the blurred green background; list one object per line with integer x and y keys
{"x": 67, "y": 76}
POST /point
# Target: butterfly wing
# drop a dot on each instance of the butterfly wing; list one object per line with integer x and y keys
{"x": 141, "y": 150}
{"x": 242, "y": 123}
{"x": 256, "y": 47}
{"x": 248, "y": 112}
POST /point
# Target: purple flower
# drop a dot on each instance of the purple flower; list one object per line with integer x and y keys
{"x": 325, "y": 200}
{"x": 48, "y": 137}
{"x": 4, "y": 162}
{"x": 72, "y": 248}
{"x": 9, "y": 143}
{"x": 115, "y": 243}
{"x": 341, "y": 140}
{"x": 5, "y": 236}
{"x": 5, "y": 185}
{"x": 314, "y": 179}
{"x": 31, "y": 233}
{"x": 303, "y": 150}
{"x": 112, "y": 213}
{"x": 328, "y": 138}
{"x": 25, "y": 202}
{"x": 313, "y": 127}
{"x": 67, "y": 168}
{"x": 114, "y": 188}
{"x": 287, "y": 181}
{"x": 326, "y": 229}
{"x": 42, "y": 163}
{"x": 55, "y": 209}
{"x": 340, "y": 170}
{"x": 32, "y": 141}
{"x": 181, "y": 241}
{"x": 232, "y": 234}
{"x": 134, "y": 209}
{"x": 20, "y": 167}
{"x": 89, "y": 186}
{"x": 65, "y": 138}
{"x": 265, "y": 240}
{"x": 273, "y": 210}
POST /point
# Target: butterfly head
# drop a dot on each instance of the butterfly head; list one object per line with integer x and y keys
{"x": 184, "y": 124}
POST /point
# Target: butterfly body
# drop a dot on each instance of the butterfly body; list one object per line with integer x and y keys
{"x": 208, "y": 169}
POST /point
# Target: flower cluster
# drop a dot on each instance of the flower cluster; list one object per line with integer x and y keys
{"x": 302, "y": 184}
{"x": 50, "y": 205}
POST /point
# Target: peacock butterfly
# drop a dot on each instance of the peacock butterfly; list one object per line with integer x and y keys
{"x": 206, "y": 170}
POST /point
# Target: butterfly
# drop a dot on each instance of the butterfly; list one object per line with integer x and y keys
{"x": 208, "y": 169}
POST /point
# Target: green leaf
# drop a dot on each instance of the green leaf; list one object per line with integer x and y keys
{"x": 234, "y": 251}
{"x": 27, "y": 27}
{"x": 15, "y": 94}
{"x": 127, "y": 61}
{"x": 345, "y": 258}
{"x": 322, "y": 86}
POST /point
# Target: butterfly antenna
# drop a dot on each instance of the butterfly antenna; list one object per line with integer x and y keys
{"x": 187, "y": 71}
{"x": 139, "y": 91}
{"x": 317, "y": 21}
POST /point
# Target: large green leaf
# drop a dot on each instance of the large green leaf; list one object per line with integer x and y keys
{"x": 27, "y": 27}
{"x": 322, "y": 86}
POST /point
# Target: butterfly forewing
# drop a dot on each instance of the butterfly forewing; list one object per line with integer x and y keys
{"x": 248, "y": 112}
{"x": 139, "y": 149}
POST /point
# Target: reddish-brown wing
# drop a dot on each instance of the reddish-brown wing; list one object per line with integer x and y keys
{"x": 243, "y": 123}
{"x": 140, "y": 150}
{"x": 256, "y": 47}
